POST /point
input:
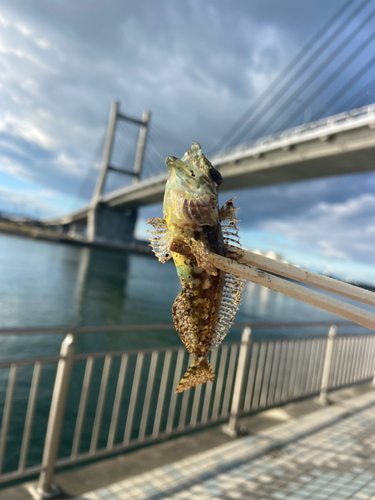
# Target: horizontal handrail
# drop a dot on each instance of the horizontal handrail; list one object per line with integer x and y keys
{"x": 29, "y": 361}
{"x": 76, "y": 330}
{"x": 174, "y": 348}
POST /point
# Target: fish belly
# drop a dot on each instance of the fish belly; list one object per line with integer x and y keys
{"x": 196, "y": 309}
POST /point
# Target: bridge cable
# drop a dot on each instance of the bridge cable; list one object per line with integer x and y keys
{"x": 159, "y": 155}
{"x": 357, "y": 98}
{"x": 329, "y": 80}
{"x": 288, "y": 84}
{"x": 123, "y": 142}
{"x": 307, "y": 82}
{"x": 150, "y": 167}
{"x": 155, "y": 162}
{"x": 123, "y": 139}
{"x": 156, "y": 148}
{"x": 151, "y": 145}
{"x": 344, "y": 89}
{"x": 146, "y": 171}
{"x": 260, "y": 100}
{"x": 118, "y": 154}
{"x": 90, "y": 171}
{"x": 170, "y": 133}
{"x": 168, "y": 150}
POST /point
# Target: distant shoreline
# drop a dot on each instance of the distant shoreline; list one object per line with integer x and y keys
{"x": 33, "y": 232}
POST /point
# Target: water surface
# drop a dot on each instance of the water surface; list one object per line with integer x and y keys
{"x": 48, "y": 284}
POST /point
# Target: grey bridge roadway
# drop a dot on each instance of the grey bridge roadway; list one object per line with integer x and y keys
{"x": 337, "y": 145}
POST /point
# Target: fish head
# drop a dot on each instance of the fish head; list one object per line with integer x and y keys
{"x": 191, "y": 194}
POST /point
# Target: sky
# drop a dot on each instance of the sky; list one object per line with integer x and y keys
{"x": 197, "y": 66}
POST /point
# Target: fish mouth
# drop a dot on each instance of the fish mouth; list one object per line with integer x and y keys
{"x": 173, "y": 162}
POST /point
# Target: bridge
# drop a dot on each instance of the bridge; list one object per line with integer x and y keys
{"x": 338, "y": 145}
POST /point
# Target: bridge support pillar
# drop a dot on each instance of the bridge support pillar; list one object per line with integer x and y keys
{"x": 77, "y": 229}
{"x": 106, "y": 224}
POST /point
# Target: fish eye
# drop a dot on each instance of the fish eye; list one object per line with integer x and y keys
{"x": 216, "y": 176}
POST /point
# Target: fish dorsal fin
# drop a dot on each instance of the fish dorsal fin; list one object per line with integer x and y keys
{"x": 160, "y": 242}
{"x": 228, "y": 221}
{"x": 233, "y": 286}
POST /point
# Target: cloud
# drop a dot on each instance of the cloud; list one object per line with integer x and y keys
{"x": 305, "y": 199}
{"x": 328, "y": 250}
{"x": 68, "y": 164}
{"x": 37, "y": 203}
{"x": 14, "y": 168}
{"x": 27, "y": 131}
{"x": 338, "y": 230}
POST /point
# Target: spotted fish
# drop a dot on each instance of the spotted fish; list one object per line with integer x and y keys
{"x": 192, "y": 228}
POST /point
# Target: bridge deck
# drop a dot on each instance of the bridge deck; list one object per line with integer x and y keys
{"x": 337, "y": 145}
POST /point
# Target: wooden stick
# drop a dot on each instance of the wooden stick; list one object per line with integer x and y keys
{"x": 331, "y": 305}
{"x": 303, "y": 276}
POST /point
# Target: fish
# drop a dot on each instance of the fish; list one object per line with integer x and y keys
{"x": 192, "y": 228}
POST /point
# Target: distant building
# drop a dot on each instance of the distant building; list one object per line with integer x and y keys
{"x": 270, "y": 254}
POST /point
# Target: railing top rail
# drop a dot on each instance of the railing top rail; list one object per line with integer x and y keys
{"x": 134, "y": 352}
{"x": 173, "y": 348}
{"x": 76, "y": 330}
{"x": 128, "y": 352}
{"x": 29, "y": 361}
{"x": 348, "y": 116}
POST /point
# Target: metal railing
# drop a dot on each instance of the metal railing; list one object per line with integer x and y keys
{"x": 328, "y": 125}
{"x": 105, "y": 402}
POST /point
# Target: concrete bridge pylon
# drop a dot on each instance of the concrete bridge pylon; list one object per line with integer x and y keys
{"x": 117, "y": 224}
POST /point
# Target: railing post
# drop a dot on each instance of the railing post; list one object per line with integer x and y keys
{"x": 323, "y": 397}
{"x": 232, "y": 427}
{"x": 45, "y": 489}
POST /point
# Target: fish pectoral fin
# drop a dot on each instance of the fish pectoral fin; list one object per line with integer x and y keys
{"x": 203, "y": 257}
{"x": 160, "y": 243}
{"x": 228, "y": 211}
{"x": 180, "y": 247}
{"x": 228, "y": 222}
{"x": 200, "y": 373}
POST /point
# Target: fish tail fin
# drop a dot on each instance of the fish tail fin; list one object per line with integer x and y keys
{"x": 196, "y": 374}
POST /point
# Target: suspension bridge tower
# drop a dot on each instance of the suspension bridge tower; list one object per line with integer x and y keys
{"x": 105, "y": 223}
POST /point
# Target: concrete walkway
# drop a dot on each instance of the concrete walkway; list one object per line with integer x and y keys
{"x": 328, "y": 454}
